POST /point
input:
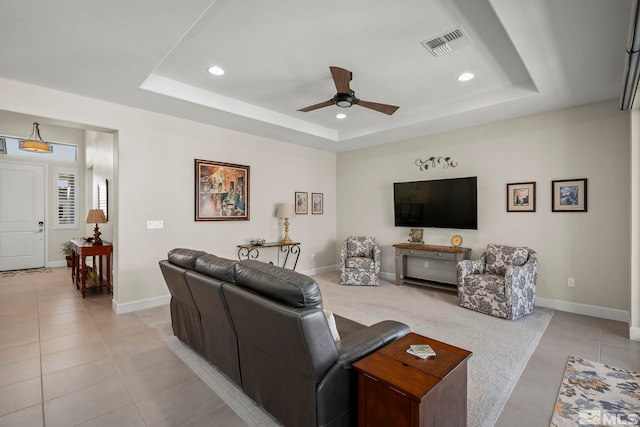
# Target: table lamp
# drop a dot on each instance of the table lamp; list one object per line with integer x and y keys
{"x": 96, "y": 216}
{"x": 286, "y": 211}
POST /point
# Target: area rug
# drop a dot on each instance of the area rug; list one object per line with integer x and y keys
{"x": 501, "y": 348}
{"x": 594, "y": 394}
{"x": 12, "y": 273}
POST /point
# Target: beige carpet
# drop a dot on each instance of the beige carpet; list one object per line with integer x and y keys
{"x": 501, "y": 348}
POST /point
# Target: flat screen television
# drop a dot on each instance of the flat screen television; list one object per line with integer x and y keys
{"x": 440, "y": 203}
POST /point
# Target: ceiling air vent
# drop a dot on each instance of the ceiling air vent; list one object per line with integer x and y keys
{"x": 447, "y": 42}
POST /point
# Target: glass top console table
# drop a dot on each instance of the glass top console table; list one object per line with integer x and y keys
{"x": 284, "y": 250}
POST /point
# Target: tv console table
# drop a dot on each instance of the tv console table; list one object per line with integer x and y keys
{"x": 445, "y": 253}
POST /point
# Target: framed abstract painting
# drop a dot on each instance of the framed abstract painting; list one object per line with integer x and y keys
{"x": 221, "y": 191}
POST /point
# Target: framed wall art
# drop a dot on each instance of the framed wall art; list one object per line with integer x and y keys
{"x": 302, "y": 202}
{"x": 416, "y": 236}
{"x": 521, "y": 197}
{"x": 569, "y": 195}
{"x": 222, "y": 191}
{"x": 317, "y": 203}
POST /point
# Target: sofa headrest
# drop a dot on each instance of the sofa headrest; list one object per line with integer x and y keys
{"x": 360, "y": 246}
{"x": 286, "y": 286}
{"x": 498, "y": 257}
{"x": 219, "y": 268}
{"x": 185, "y": 257}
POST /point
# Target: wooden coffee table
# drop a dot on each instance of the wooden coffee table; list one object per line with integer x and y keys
{"x": 398, "y": 389}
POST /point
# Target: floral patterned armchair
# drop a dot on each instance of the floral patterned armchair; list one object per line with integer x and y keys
{"x": 360, "y": 261}
{"x": 501, "y": 283}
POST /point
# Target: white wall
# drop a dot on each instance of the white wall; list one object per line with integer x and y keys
{"x": 590, "y": 141}
{"x": 634, "y": 294}
{"x": 155, "y": 180}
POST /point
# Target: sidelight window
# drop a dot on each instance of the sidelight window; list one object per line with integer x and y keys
{"x": 66, "y": 213}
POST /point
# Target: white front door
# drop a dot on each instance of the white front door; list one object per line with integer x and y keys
{"x": 22, "y": 235}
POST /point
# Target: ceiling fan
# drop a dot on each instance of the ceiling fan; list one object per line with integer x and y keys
{"x": 346, "y": 97}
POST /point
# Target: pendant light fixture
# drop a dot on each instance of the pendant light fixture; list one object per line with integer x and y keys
{"x": 35, "y": 143}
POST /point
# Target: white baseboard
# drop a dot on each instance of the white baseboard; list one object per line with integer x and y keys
{"x": 319, "y": 270}
{"x": 391, "y": 277}
{"x": 634, "y": 333}
{"x": 585, "y": 309}
{"x": 128, "y": 307}
{"x": 53, "y": 264}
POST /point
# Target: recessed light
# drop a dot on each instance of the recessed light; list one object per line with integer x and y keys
{"x": 216, "y": 71}
{"x": 341, "y": 116}
{"x": 465, "y": 77}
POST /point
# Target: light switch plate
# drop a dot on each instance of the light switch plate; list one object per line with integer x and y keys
{"x": 155, "y": 223}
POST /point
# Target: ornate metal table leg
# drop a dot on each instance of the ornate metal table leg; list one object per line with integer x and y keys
{"x": 295, "y": 250}
{"x": 248, "y": 253}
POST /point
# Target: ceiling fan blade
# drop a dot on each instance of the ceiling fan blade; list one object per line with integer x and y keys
{"x": 341, "y": 78}
{"x": 382, "y": 108}
{"x": 316, "y": 106}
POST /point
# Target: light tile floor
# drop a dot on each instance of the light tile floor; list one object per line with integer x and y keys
{"x": 67, "y": 361}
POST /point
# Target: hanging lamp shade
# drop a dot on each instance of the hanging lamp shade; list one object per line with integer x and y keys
{"x": 35, "y": 143}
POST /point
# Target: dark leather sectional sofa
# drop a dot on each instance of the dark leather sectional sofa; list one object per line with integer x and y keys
{"x": 265, "y": 329}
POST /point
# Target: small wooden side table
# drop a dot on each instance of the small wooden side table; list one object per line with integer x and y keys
{"x": 398, "y": 389}
{"x": 81, "y": 249}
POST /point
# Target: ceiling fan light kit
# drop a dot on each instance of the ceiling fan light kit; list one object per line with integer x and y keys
{"x": 346, "y": 97}
{"x": 345, "y": 100}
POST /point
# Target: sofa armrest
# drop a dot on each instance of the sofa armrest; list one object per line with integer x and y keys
{"x": 376, "y": 258}
{"x": 466, "y": 267}
{"x": 523, "y": 277}
{"x": 343, "y": 255}
{"x": 337, "y": 392}
{"x": 366, "y": 340}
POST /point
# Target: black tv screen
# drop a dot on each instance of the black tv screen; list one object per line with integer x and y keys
{"x": 441, "y": 203}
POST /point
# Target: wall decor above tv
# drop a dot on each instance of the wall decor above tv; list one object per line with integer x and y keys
{"x": 446, "y": 162}
{"x": 440, "y": 203}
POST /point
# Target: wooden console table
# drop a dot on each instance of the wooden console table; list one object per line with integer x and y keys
{"x": 253, "y": 252}
{"x": 81, "y": 249}
{"x": 446, "y": 253}
{"x": 401, "y": 390}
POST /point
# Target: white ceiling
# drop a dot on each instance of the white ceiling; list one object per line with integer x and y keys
{"x": 528, "y": 56}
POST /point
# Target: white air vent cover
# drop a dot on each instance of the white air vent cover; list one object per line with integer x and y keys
{"x": 447, "y": 42}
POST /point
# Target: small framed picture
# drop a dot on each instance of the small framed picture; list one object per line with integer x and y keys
{"x": 416, "y": 236}
{"x": 569, "y": 195}
{"x": 302, "y": 202}
{"x": 521, "y": 197}
{"x": 317, "y": 203}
